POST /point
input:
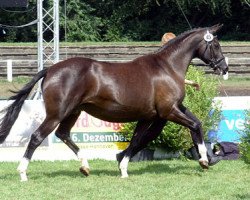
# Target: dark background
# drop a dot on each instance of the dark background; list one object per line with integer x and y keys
{"x": 130, "y": 20}
{"x": 13, "y": 3}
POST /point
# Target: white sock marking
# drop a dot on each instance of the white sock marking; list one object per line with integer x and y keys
{"x": 81, "y": 156}
{"x": 22, "y": 168}
{"x": 124, "y": 167}
{"x": 203, "y": 151}
{"x": 23, "y": 165}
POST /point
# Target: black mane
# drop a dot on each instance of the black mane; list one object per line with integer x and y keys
{"x": 179, "y": 38}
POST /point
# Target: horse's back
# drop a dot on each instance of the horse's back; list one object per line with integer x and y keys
{"x": 100, "y": 88}
{"x": 109, "y": 91}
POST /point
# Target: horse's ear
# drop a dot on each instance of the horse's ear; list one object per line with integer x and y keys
{"x": 215, "y": 28}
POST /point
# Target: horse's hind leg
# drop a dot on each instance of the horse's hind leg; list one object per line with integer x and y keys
{"x": 36, "y": 139}
{"x": 145, "y": 132}
{"x": 141, "y": 127}
{"x": 63, "y": 132}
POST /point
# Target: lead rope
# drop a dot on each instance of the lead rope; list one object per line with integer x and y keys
{"x": 183, "y": 14}
{"x": 220, "y": 83}
{"x": 226, "y": 59}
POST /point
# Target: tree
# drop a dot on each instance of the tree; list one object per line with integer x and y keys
{"x": 245, "y": 139}
{"x": 16, "y": 17}
{"x": 139, "y": 20}
{"x": 148, "y": 20}
{"x": 81, "y": 22}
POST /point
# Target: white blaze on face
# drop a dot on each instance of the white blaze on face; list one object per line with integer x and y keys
{"x": 225, "y": 76}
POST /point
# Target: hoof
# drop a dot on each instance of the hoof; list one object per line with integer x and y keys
{"x": 204, "y": 164}
{"x": 84, "y": 171}
{"x": 23, "y": 177}
{"x": 123, "y": 177}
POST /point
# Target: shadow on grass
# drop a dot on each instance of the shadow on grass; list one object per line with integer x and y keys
{"x": 153, "y": 168}
{"x": 160, "y": 168}
{"x": 243, "y": 196}
{"x": 10, "y": 176}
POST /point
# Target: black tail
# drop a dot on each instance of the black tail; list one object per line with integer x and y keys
{"x": 13, "y": 110}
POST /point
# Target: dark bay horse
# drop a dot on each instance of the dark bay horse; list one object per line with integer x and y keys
{"x": 149, "y": 89}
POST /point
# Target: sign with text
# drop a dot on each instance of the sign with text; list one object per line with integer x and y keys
{"x": 233, "y": 119}
{"x": 101, "y": 139}
{"x": 90, "y": 132}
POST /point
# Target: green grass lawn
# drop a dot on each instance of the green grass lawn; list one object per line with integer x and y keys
{"x": 16, "y": 84}
{"x": 167, "y": 179}
{"x": 236, "y": 81}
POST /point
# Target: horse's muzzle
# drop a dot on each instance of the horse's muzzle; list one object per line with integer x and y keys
{"x": 221, "y": 69}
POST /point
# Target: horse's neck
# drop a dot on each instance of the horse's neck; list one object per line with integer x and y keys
{"x": 178, "y": 56}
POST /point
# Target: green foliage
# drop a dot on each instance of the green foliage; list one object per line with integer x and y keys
{"x": 175, "y": 137}
{"x": 17, "y": 17}
{"x": 245, "y": 140}
{"x": 81, "y": 22}
{"x": 131, "y": 20}
{"x": 114, "y": 33}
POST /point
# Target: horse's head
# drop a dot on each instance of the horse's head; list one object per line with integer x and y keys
{"x": 210, "y": 51}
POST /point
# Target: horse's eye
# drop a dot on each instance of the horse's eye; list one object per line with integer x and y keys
{"x": 216, "y": 45}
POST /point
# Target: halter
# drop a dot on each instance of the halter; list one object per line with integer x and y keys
{"x": 213, "y": 63}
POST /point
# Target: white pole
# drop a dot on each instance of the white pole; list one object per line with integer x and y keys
{"x": 40, "y": 33}
{"x": 56, "y": 31}
{"x": 9, "y": 70}
{"x": 40, "y": 59}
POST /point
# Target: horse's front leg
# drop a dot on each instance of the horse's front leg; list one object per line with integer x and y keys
{"x": 124, "y": 157}
{"x": 183, "y": 116}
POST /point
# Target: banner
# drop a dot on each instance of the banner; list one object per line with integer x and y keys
{"x": 30, "y": 117}
{"x": 98, "y": 138}
{"x": 92, "y": 133}
{"x": 233, "y": 119}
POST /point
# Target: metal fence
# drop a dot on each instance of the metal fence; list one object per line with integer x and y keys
{"x": 24, "y": 59}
